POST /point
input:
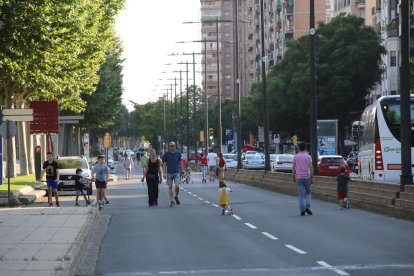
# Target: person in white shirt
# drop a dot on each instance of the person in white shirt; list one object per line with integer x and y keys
{"x": 212, "y": 164}
{"x": 128, "y": 165}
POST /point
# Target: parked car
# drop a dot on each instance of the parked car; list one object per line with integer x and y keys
{"x": 67, "y": 172}
{"x": 253, "y": 161}
{"x": 328, "y": 165}
{"x": 231, "y": 160}
{"x": 272, "y": 157}
{"x": 111, "y": 164}
{"x": 249, "y": 152}
{"x": 283, "y": 163}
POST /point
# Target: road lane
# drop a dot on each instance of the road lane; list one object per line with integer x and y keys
{"x": 195, "y": 238}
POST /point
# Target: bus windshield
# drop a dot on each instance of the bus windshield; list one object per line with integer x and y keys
{"x": 392, "y": 113}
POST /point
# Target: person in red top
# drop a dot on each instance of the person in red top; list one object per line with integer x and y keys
{"x": 204, "y": 165}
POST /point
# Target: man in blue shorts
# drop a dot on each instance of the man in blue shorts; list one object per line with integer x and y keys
{"x": 100, "y": 173}
{"x": 51, "y": 168}
{"x": 172, "y": 169}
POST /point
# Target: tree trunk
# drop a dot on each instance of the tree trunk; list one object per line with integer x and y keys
{"x": 29, "y": 150}
{"x": 22, "y": 142}
{"x": 11, "y": 165}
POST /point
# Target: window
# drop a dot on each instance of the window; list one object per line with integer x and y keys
{"x": 393, "y": 58}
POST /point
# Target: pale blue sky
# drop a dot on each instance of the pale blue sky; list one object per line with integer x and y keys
{"x": 149, "y": 31}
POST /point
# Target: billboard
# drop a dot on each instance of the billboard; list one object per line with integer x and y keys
{"x": 327, "y": 133}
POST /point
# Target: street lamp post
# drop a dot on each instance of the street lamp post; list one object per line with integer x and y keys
{"x": 265, "y": 109}
{"x": 313, "y": 98}
{"x": 406, "y": 177}
{"x": 238, "y": 96}
{"x": 220, "y": 132}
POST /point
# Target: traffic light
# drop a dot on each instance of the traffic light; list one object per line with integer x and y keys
{"x": 107, "y": 140}
{"x": 211, "y": 133}
{"x": 295, "y": 140}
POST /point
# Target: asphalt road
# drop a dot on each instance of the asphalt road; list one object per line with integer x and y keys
{"x": 266, "y": 235}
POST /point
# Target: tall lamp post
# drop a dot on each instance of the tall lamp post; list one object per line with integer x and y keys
{"x": 313, "y": 99}
{"x": 265, "y": 109}
{"x": 238, "y": 96}
{"x": 406, "y": 177}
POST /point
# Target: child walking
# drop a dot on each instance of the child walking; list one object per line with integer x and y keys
{"x": 224, "y": 198}
{"x": 80, "y": 187}
{"x": 342, "y": 180}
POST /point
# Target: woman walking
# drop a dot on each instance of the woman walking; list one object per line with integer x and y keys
{"x": 153, "y": 175}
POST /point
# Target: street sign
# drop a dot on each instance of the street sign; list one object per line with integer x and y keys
{"x": 229, "y": 134}
{"x": 8, "y": 130}
{"x": 18, "y": 115}
{"x": 276, "y": 138}
{"x": 17, "y": 112}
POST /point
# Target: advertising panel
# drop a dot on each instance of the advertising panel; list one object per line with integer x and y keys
{"x": 327, "y": 137}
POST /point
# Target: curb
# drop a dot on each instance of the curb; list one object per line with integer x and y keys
{"x": 74, "y": 256}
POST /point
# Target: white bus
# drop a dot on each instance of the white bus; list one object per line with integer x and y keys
{"x": 380, "y": 140}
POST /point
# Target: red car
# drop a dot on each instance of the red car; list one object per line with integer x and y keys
{"x": 328, "y": 165}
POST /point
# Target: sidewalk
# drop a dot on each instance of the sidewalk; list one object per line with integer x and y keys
{"x": 43, "y": 241}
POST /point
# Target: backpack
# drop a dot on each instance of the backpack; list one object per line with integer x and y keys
{"x": 221, "y": 163}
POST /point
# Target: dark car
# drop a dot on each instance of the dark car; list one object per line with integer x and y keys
{"x": 328, "y": 165}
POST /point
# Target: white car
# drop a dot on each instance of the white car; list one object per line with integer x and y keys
{"x": 253, "y": 161}
{"x": 283, "y": 163}
{"x": 67, "y": 172}
{"x": 231, "y": 160}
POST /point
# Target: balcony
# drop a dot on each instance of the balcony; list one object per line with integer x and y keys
{"x": 289, "y": 10}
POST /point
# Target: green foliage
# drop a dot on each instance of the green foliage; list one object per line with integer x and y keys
{"x": 348, "y": 64}
{"x": 104, "y": 106}
{"x": 53, "y": 49}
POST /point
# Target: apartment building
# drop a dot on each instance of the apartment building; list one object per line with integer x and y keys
{"x": 292, "y": 20}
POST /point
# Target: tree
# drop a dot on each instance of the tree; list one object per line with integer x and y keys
{"x": 348, "y": 65}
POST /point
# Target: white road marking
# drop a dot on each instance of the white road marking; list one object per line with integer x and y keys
{"x": 250, "y": 225}
{"x": 297, "y": 250}
{"x": 215, "y": 205}
{"x": 194, "y": 195}
{"x": 201, "y": 198}
{"x": 269, "y": 236}
{"x": 237, "y": 217}
{"x": 208, "y": 202}
{"x": 190, "y": 193}
{"x": 334, "y": 269}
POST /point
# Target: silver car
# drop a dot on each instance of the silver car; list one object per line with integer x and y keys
{"x": 231, "y": 160}
{"x": 283, "y": 163}
{"x": 253, "y": 161}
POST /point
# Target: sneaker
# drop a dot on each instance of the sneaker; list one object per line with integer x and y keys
{"x": 88, "y": 203}
{"x": 77, "y": 204}
{"x": 177, "y": 200}
{"x": 57, "y": 204}
{"x": 50, "y": 204}
{"x": 302, "y": 213}
{"x": 172, "y": 204}
{"x": 308, "y": 211}
{"x": 107, "y": 202}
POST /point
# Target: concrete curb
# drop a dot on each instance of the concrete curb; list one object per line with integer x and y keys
{"x": 74, "y": 256}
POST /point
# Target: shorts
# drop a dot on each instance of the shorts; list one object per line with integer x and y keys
{"x": 212, "y": 168}
{"x": 79, "y": 191}
{"x": 128, "y": 169}
{"x": 100, "y": 184}
{"x": 342, "y": 195}
{"x": 173, "y": 177}
{"x": 51, "y": 183}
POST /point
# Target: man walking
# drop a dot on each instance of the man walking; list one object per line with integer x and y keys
{"x": 302, "y": 173}
{"x": 212, "y": 164}
{"x": 144, "y": 161}
{"x": 172, "y": 169}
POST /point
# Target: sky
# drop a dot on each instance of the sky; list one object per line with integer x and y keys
{"x": 149, "y": 31}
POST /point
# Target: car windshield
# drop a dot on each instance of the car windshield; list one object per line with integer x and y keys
{"x": 254, "y": 157}
{"x": 228, "y": 156}
{"x": 286, "y": 158}
{"x": 72, "y": 164}
{"x": 332, "y": 160}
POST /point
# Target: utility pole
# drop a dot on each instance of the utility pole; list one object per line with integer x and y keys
{"x": 313, "y": 98}
{"x": 188, "y": 122}
{"x": 238, "y": 96}
{"x": 219, "y": 130}
{"x": 265, "y": 108}
{"x": 406, "y": 177}
{"x": 194, "y": 113}
{"x": 205, "y": 97}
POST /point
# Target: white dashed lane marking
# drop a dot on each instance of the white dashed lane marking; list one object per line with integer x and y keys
{"x": 208, "y": 202}
{"x": 269, "y": 236}
{"x": 297, "y": 250}
{"x": 250, "y": 225}
{"x": 237, "y": 217}
{"x": 334, "y": 269}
